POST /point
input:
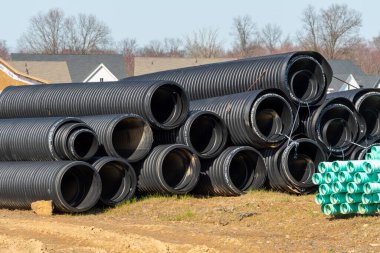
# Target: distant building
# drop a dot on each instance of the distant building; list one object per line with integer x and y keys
{"x": 146, "y": 65}
{"x": 71, "y": 68}
{"x": 10, "y": 76}
{"x": 348, "y": 76}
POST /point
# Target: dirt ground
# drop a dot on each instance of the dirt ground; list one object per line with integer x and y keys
{"x": 256, "y": 222}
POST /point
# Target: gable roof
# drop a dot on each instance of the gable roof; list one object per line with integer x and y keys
{"x": 54, "y": 72}
{"x": 10, "y": 76}
{"x": 345, "y": 67}
{"x": 80, "y": 66}
{"x": 146, "y": 65}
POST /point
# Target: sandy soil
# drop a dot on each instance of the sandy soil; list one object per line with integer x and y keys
{"x": 256, "y": 222}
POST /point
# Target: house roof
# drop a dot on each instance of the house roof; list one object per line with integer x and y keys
{"x": 336, "y": 82}
{"x": 11, "y": 76}
{"x": 367, "y": 81}
{"x": 55, "y": 72}
{"x": 345, "y": 67}
{"x": 80, "y": 66}
{"x": 145, "y": 65}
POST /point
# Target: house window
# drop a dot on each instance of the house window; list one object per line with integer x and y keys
{"x": 101, "y": 79}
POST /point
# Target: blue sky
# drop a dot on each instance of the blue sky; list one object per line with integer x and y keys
{"x": 156, "y": 19}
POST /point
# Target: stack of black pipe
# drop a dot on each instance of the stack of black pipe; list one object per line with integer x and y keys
{"x": 217, "y": 129}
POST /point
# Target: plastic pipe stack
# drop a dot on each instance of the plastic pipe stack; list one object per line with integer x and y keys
{"x": 349, "y": 187}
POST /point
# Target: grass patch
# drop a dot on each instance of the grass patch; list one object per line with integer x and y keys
{"x": 187, "y": 215}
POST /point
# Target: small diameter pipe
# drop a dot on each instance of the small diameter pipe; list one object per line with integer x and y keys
{"x": 371, "y": 188}
{"x": 325, "y": 189}
{"x": 373, "y": 198}
{"x": 345, "y": 177}
{"x": 330, "y": 209}
{"x": 325, "y": 167}
{"x": 368, "y": 208}
{"x": 339, "y": 166}
{"x": 355, "y": 166}
{"x": 347, "y": 208}
{"x": 338, "y": 198}
{"x": 331, "y": 177}
{"x": 339, "y": 187}
{"x": 372, "y": 166}
{"x": 353, "y": 197}
{"x": 322, "y": 199}
{"x": 362, "y": 177}
{"x": 318, "y": 178}
{"x": 355, "y": 188}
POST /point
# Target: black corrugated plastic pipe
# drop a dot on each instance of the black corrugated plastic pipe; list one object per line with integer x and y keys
{"x": 163, "y": 103}
{"x": 304, "y": 76}
{"x": 236, "y": 170}
{"x": 127, "y": 136}
{"x": 71, "y": 185}
{"x": 118, "y": 180}
{"x": 43, "y": 139}
{"x": 367, "y": 103}
{"x": 205, "y": 132}
{"x": 258, "y": 118}
{"x": 362, "y": 148}
{"x": 336, "y": 125}
{"x": 169, "y": 169}
{"x": 291, "y": 166}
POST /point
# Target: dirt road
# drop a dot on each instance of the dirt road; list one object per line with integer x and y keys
{"x": 256, "y": 222}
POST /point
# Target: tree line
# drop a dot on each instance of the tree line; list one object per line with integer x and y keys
{"x": 333, "y": 31}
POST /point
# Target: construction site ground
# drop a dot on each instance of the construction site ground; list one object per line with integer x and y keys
{"x": 259, "y": 221}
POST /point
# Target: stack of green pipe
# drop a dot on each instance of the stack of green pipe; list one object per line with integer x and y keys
{"x": 347, "y": 187}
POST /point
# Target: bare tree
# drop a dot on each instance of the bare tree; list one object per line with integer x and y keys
{"x": 52, "y": 33}
{"x": 333, "y": 30}
{"x": 309, "y": 38}
{"x": 45, "y": 33}
{"x": 271, "y": 37}
{"x": 4, "y": 51}
{"x": 154, "y": 48}
{"x": 243, "y": 30}
{"x": 172, "y": 47}
{"x": 128, "y": 47}
{"x": 204, "y": 43}
{"x": 86, "y": 34}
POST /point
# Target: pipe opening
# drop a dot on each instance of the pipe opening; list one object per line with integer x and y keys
{"x": 77, "y": 186}
{"x": 273, "y": 118}
{"x": 85, "y": 144}
{"x": 177, "y": 166}
{"x": 370, "y": 110}
{"x": 207, "y": 134}
{"x": 243, "y": 168}
{"x": 306, "y": 79}
{"x": 168, "y": 105}
{"x": 303, "y": 161}
{"x": 336, "y": 133}
{"x": 114, "y": 181}
{"x": 131, "y": 138}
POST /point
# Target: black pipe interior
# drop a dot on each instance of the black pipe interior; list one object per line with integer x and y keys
{"x": 112, "y": 175}
{"x": 306, "y": 79}
{"x": 85, "y": 144}
{"x": 273, "y": 117}
{"x": 206, "y": 134}
{"x": 167, "y": 104}
{"x": 176, "y": 166}
{"x": 243, "y": 167}
{"x": 76, "y": 184}
{"x": 303, "y": 161}
{"x": 370, "y": 110}
{"x": 128, "y": 136}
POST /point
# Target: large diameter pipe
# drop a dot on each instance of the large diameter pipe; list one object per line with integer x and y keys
{"x": 335, "y": 125}
{"x": 304, "y": 76}
{"x": 236, "y": 170}
{"x": 44, "y": 139}
{"x": 261, "y": 118}
{"x": 71, "y": 186}
{"x": 169, "y": 169}
{"x": 127, "y": 136}
{"x": 163, "y": 103}
{"x": 204, "y": 131}
{"x": 291, "y": 166}
{"x": 118, "y": 180}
